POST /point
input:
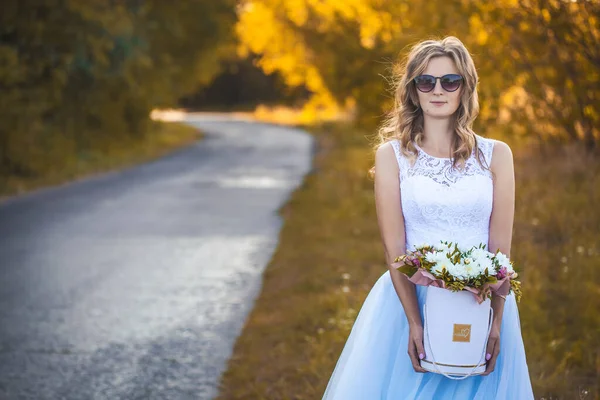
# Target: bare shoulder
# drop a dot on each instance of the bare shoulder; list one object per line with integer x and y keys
{"x": 502, "y": 157}
{"x": 385, "y": 157}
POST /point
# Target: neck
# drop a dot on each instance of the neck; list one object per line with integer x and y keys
{"x": 438, "y": 134}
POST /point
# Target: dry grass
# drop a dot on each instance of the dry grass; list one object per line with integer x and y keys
{"x": 330, "y": 255}
{"x": 557, "y": 241}
{"x": 57, "y": 162}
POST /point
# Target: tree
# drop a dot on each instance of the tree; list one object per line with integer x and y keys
{"x": 537, "y": 60}
{"x": 79, "y": 72}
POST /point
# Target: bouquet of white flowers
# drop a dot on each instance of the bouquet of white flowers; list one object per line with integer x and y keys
{"x": 456, "y": 325}
{"x": 448, "y": 265}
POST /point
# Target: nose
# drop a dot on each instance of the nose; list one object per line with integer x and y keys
{"x": 437, "y": 88}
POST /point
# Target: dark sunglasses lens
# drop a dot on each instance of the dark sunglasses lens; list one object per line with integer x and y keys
{"x": 425, "y": 83}
{"x": 451, "y": 82}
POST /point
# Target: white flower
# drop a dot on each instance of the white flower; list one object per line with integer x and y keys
{"x": 503, "y": 261}
{"x": 473, "y": 260}
{"x": 436, "y": 257}
{"x": 437, "y": 269}
{"x": 484, "y": 263}
{"x": 458, "y": 271}
{"x": 480, "y": 254}
{"x": 471, "y": 269}
{"x": 441, "y": 264}
{"x": 431, "y": 257}
{"x": 509, "y": 269}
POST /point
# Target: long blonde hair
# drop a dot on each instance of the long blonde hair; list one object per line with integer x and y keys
{"x": 405, "y": 120}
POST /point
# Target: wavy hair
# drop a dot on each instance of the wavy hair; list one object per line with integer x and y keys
{"x": 405, "y": 120}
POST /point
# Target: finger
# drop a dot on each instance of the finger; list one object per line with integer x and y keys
{"x": 494, "y": 358}
{"x": 491, "y": 364}
{"x": 413, "y": 355}
{"x": 489, "y": 350}
{"x": 420, "y": 349}
{"x": 420, "y": 352}
{"x": 412, "y": 352}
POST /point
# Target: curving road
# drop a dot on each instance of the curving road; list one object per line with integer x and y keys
{"x": 135, "y": 284}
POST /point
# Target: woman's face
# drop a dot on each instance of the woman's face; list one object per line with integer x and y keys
{"x": 439, "y": 103}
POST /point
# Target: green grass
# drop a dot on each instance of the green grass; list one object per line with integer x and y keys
{"x": 330, "y": 255}
{"x": 57, "y": 161}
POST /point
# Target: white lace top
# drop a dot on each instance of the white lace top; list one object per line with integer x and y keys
{"x": 444, "y": 203}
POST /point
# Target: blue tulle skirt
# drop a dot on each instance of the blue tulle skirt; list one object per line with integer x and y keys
{"x": 375, "y": 365}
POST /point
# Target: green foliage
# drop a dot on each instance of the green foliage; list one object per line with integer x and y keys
{"x": 74, "y": 73}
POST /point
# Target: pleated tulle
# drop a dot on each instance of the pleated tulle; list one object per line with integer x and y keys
{"x": 374, "y": 364}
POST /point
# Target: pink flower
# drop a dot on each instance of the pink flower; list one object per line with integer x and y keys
{"x": 502, "y": 273}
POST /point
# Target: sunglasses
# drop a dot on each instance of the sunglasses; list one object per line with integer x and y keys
{"x": 449, "y": 82}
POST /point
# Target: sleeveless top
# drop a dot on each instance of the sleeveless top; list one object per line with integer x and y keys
{"x": 444, "y": 203}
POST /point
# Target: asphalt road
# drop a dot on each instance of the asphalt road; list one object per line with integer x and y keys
{"x": 135, "y": 284}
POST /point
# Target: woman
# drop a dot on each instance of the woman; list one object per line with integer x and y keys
{"x": 435, "y": 179}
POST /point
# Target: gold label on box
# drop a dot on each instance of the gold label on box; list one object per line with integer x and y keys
{"x": 462, "y": 333}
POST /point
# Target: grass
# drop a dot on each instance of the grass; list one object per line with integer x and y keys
{"x": 57, "y": 162}
{"x": 330, "y": 255}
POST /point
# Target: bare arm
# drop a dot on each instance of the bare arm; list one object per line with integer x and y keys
{"x": 501, "y": 226}
{"x": 391, "y": 227}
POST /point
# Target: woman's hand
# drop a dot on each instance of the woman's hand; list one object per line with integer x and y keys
{"x": 415, "y": 347}
{"x": 493, "y": 349}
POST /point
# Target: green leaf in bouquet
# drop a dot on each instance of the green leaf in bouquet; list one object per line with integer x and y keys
{"x": 407, "y": 270}
{"x": 455, "y": 286}
{"x": 456, "y": 259}
{"x": 445, "y": 276}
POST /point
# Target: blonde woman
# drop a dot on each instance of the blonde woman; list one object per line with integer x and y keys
{"x": 435, "y": 179}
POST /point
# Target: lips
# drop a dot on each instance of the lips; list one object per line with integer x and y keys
{"x": 438, "y": 102}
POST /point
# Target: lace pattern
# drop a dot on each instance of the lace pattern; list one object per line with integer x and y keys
{"x": 440, "y": 169}
{"x": 444, "y": 203}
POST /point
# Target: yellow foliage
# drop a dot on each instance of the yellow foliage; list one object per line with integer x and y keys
{"x": 339, "y": 49}
{"x": 296, "y": 11}
{"x": 546, "y": 15}
{"x": 590, "y": 112}
{"x": 254, "y": 15}
{"x": 320, "y": 107}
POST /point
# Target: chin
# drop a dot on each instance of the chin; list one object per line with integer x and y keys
{"x": 439, "y": 115}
